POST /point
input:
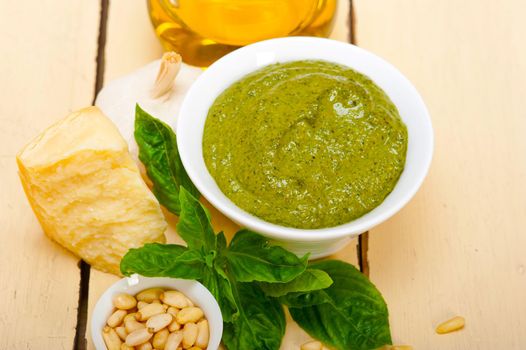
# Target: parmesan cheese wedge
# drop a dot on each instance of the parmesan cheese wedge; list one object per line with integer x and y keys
{"x": 87, "y": 192}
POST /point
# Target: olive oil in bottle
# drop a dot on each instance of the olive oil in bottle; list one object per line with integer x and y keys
{"x": 204, "y": 30}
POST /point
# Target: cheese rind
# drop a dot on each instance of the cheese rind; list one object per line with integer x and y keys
{"x": 87, "y": 191}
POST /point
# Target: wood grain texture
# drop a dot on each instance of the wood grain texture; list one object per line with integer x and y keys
{"x": 459, "y": 246}
{"x": 129, "y": 20}
{"x": 47, "y": 70}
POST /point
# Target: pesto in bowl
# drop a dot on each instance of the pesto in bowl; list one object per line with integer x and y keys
{"x": 305, "y": 144}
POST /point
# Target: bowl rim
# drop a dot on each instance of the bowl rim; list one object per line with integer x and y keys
{"x": 213, "y": 316}
{"x": 351, "y": 228}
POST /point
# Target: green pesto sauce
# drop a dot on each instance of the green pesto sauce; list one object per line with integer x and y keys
{"x": 305, "y": 144}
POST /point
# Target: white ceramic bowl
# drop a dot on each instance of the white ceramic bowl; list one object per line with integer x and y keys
{"x": 194, "y": 290}
{"x": 235, "y": 65}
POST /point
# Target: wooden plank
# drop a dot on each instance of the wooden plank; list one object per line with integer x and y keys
{"x": 130, "y": 40}
{"x": 47, "y": 70}
{"x": 129, "y": 20}
{"x": 459, "y": 246}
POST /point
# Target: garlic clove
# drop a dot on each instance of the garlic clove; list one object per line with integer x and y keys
{"x": 170, "y": 66}
{"x": 118, "y": 98}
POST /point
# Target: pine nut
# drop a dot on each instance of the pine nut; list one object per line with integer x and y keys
{"x": 157, "y": 319}
{"x": 401, "y": 347}
{"x": 124, "y": 301}
{"x": 203, "y": 334}
{"x": 149, "y": 295}
{"x": 172, "y": 311}
{"x": 116, "y": 318}
{"x": 121, "y": 332}
{"x": 111, "y": 339}
{"x": 451, "y": 325}
{"x": 159, "y": 338}
{"x": 132, "y": 325}
{"x": 158, "y": 322}
{"x": 148, "y": 311}
{"x": 189, "y": 314}
{"x": 174, "y": 298}
{"x": 141, "y": 304}
{"x": 138, "y": 337}
{"x": 312, "y": 345}
{"x": 145, "y": 346}
{"x": 128, "y": 316}
{"x": 173, "y": 341}
{"x": 189, "y": 335}
{"x": 174, "y": 326}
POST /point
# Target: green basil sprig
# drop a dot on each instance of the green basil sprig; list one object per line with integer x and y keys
{"x": 350, "y": 314}
{"x": 251, "y": 317}
{"x": 251, "y": 279}
{"x": 160, "y": 156}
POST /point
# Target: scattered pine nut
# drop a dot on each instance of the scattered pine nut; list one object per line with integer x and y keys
{"x": 141, "y": 304}
{"x": 451, "y": 325}
{"x": 126, "y": 347}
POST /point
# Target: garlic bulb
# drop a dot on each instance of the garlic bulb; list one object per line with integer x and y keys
{"x": 154, "y": 87}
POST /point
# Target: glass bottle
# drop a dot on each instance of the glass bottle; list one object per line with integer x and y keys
{"x": 204, "y": 30}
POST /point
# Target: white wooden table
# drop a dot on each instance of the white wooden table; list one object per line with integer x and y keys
{"x": 459, "y": 247}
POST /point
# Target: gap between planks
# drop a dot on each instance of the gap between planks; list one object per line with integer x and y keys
{"x": 363, "y": 239}
{"x": 80, "y": 342}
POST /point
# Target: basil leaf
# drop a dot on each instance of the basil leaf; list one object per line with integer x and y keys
{"x": 310, "y": 280}
{"x": 163, "y": 260}
{"x": 194, "y": 223}
{"x": 221, "y": 289}
{"x": 261, "y": 321}
{"x": 351, "y": 314}
{"x": 158, "y": 152}
{"x": 251, "y": 258}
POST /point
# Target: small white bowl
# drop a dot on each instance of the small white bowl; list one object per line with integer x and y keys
{"x": 194, "y": 290}
{"x": 235, "y": 65}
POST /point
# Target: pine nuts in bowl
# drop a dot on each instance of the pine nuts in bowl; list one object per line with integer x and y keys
{"x": 146, "y": 313}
